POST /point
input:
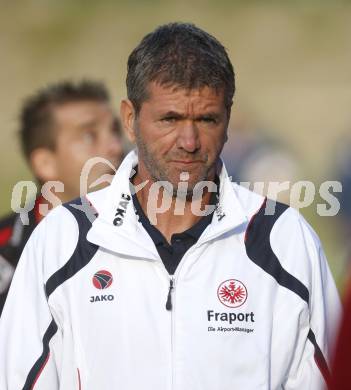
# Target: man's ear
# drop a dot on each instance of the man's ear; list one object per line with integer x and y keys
{"x": 128, "y": 118}
{"x": 43, "y": 164}
{"x": 229, "y": 111}
{"x": 226, "y": 137}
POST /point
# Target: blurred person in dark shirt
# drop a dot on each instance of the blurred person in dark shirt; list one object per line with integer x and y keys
{"x": 61, "y": 127}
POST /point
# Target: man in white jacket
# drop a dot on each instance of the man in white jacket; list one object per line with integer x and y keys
{"x": 172, "y": 278}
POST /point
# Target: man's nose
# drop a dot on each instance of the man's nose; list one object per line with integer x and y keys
{"x": 188, "y": 137}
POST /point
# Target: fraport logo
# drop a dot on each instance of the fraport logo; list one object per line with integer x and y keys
{"x": 232, "y": 293}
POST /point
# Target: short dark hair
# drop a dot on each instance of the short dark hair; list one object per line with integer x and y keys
{"x": 180, "y": 54}
{"x": 36, "y": 120}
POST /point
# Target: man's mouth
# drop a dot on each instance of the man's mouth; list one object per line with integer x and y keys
{"x": 187, "y": 162}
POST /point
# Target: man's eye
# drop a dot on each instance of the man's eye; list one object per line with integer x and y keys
{"x": 169, "y": 119}
{"x": 89, "y": 137}
{"x": 208, "y": 120}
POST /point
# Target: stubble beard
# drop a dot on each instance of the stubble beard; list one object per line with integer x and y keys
{"x": 159, "y": 172}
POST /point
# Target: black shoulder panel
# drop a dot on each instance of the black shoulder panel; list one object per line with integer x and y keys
{"x": 84, "y": 214}
{"x": 39, "y": 365}
{"x": 84, "y": 250}
{"x": 259, "y": 250}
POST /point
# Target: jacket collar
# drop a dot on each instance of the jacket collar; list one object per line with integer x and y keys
{"x": 117, "y": 227}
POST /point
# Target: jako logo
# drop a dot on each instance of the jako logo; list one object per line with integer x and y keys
{"x": 102, "y": 279}
{"x": 219, "y": 212}
{"x": 121, "y": 210}
{"x": 232, "y": 293}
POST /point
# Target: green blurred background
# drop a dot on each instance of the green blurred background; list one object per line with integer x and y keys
{"x": 292, "y": 61}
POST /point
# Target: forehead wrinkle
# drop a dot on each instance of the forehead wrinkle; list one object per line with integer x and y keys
{"x": 189, "y": 106}
{"x": 182, "y": 100}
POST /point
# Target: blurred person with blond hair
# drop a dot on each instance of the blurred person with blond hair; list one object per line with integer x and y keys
{"x": 61, "y": 127}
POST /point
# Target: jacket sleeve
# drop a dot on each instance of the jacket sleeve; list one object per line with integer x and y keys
{"x": 310, "y": 367}
{"x": 29, "y": 336}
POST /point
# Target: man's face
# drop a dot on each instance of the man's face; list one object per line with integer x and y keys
{"x": 84, "y": 130}
{"x": 179, "y": 130}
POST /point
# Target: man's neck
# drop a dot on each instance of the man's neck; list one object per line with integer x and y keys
{"x": 169, "y": 214}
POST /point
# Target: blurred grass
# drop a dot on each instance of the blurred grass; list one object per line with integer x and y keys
{"x": 292, "y": 61}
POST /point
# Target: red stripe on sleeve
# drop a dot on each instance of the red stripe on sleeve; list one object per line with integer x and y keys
{"x": 5, "y": 235}
{"x": 79, "y": 383}
{"x": 40, "y": 371}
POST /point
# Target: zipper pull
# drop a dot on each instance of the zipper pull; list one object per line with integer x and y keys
{"x": 169, "y": 297}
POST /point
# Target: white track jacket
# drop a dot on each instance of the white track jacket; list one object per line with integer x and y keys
{"x": 253, "y": 303}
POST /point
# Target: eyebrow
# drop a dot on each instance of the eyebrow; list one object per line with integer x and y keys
{"x": 211, "y": 114}
{"x": 172, "y": 114}
{"x": 177, "y": 115}
{"x": 87, "y": 124}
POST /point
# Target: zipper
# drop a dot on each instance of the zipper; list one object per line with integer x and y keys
{"x": 169, "y": 296}
{"x": 171, "y": 305}
{"x": 172, "y": 280}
